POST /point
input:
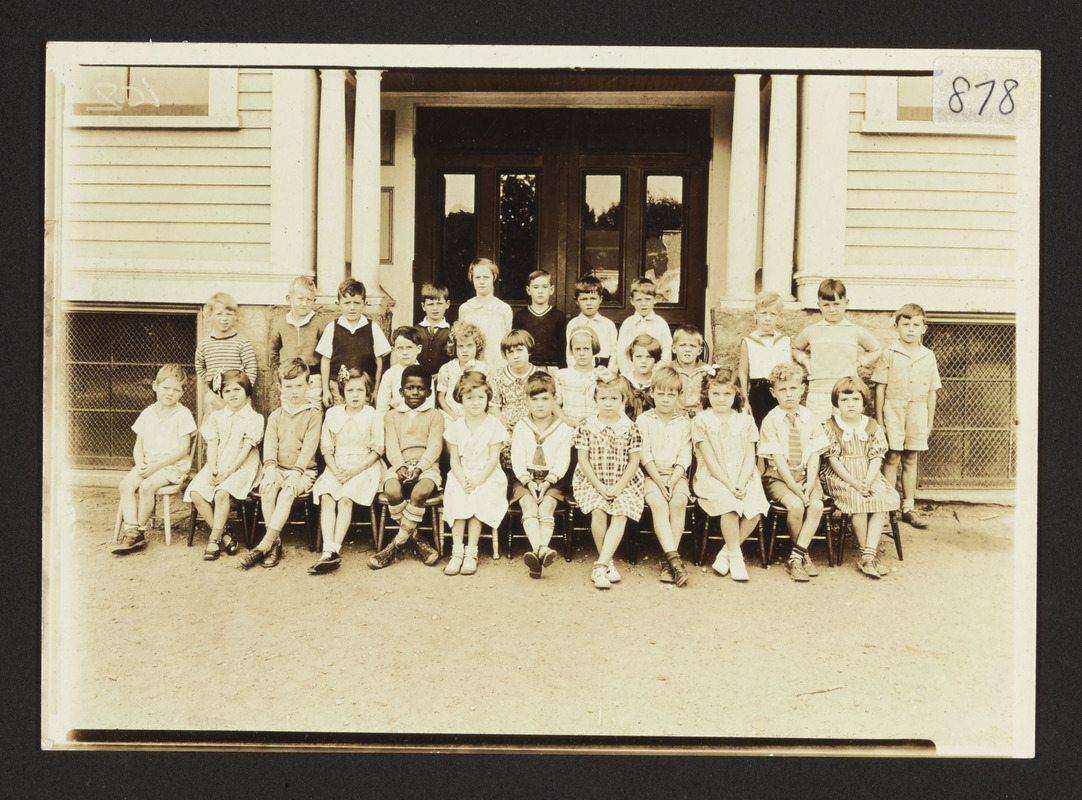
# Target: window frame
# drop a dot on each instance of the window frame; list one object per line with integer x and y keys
{"x": 881, "y": 113}
{"x": 222, "y": 109}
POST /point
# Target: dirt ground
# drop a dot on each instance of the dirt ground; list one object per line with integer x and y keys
{"x": 163, "y": 640}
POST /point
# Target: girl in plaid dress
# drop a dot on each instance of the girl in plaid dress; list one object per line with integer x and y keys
{"x": 852, "y": 476}
{"x": 607, "y": 483}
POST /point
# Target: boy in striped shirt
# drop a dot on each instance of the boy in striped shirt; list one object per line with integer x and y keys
{"x": 225, "y": 348}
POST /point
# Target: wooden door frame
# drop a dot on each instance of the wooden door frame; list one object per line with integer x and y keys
{"x": 561, "y": 165}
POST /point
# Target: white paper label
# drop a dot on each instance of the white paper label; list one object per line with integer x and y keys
{"x": 986, "y": 92}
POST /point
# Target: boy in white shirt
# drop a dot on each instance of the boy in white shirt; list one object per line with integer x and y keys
{"x": 644, "y": 320}
{"x": 351, "y": 342}
{"x": 588, "y": 294}
{"x": 408, "y": 342}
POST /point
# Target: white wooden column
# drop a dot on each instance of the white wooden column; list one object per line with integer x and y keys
{"x": 331, "y": 182}
{"x": 366, "y": 184}
{"x": 743, "y": 191}
{"x": 824, "y": 146}
{"x": 294, "y": 138}
{"x": 779, "y": 215}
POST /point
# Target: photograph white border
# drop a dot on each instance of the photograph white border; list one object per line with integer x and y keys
{"x": 65, "y": 55}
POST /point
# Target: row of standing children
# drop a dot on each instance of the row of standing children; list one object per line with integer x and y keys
{"x": 337, "y": 347}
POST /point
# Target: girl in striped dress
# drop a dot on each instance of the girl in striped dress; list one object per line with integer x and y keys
{"x": 852, "y": 475}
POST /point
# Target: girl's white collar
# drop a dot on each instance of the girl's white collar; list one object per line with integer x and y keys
{"x": 860, "y": 430}
{"x": 621, "y": 424}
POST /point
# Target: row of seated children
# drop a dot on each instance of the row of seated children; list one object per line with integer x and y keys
{"x": 607, "y": 484}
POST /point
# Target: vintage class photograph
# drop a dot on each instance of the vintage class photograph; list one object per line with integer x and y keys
{"x": 636, "y": 396}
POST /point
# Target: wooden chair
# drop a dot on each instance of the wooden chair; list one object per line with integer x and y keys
{"x": 372, "y": 523}
{"x": 775, "y": 518}
{"x": 636, "y": 529}
{"x": 433, "y": 507}
{"x": 844, "y": 526}
{"x": 243, "y": 514}
{"x": 302, "y": 501}
{"x": 707, "y": 524}
{"x": 168, "y": 492}
{"x": 563, "y": 527}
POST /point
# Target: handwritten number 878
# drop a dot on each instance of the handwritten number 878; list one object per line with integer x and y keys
{"x": 1006, "y": 103}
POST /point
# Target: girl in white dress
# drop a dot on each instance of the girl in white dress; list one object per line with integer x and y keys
{"x": 467, "y": 344}
{"x": 476, "y": 491}
{"x": 351, "y": 443}
{"x": 727, "y": 482}
{"x": 232, "y": 435}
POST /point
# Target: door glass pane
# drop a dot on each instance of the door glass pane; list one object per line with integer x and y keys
{"x": 602, "y": 231}
{"x": 458, "y": 239}
{"x": 663, "y": 234}
{"x": 517, "y": 253}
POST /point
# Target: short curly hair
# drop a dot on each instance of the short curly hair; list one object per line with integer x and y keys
{"x": 786, "y": 371}
{"x": 463, "y": 331}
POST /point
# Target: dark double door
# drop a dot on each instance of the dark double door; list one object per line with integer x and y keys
{"x": 614, "y": 193}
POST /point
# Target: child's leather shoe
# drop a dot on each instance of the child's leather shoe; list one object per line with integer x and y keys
{"x": 426, "y": 551}
{"x": 384, "y": 557}
{"x": 132, "y": 540}
{"x": 273, "y": 557}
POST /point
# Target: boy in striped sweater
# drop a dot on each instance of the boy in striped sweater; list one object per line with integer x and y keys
{"x": 225, "y": 348}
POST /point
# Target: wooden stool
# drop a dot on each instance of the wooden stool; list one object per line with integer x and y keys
{"x": 168, "y": 492}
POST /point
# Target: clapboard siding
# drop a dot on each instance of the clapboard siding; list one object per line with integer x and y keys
{"x": 933, "y": 237}
{"x": 230, "y": 232}
{"x": 165, "y": 251}
{"x": 204, "y": 195}
{"x": 893, "y": 143}
{"x": 200, "y": 195}
{"x": 158, "y": 138}
{"x": 928, "y": 199}
{"x": 253, "y": 81}
{"x": 164, "y": 212}
{"x": 129, "y": 155}
{"x": 945, "y": 201}
{"x": 975, "y": 182}
{"x": 930, "y": 257}
{"x": 173, "y": 175}
{"x": 937, "y": 163}
{"x": 856, "y": 218}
